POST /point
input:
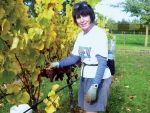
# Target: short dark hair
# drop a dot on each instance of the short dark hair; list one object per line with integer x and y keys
{"x": 84, "y": 9}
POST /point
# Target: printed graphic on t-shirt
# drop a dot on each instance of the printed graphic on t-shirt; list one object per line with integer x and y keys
{"x": 84, "y": 52}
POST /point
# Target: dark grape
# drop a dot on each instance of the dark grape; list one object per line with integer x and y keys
{"x": 50, "y": 75}
{"x": 58, "y": 73}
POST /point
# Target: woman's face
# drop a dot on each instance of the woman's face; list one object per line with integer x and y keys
{"x": 84, "y": 22}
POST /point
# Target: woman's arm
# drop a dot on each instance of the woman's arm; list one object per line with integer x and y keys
{"x": 72, "y": 59}
{"x": 102, "y": 64}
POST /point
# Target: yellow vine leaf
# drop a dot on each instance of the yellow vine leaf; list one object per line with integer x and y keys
{"x": 48, "y": 13}
{"x": 55, "y": 99}
{"x": 59, "y": 7}
{"x": 15, "y": 43}
{"x": 2, "y": 12}
{"x": 38, "y": 45}
{"x": 25, "y": 97}
{"x": 17, "y": 88}
{"x": 45, "y": 101}
{"x": 51, "y": 27}
{"x": 51, "y": 93}
{"x": 59, "y": 53}
{"x": 38, "y": 1}
{"x": 25, "y": 38}
{"x": 60, "y": 1}
{"x": 5, "y": 26}
{"x": 21, "y": 44}
{"x": 50, "y": 108}
{"x": 68, "y": 8}
{"x": 10, "y": 88}
{"x": 62, "y": 46}
{"x": 35, "y": 74}
{"x": 35, "y": 83}
{"x": 48, "y": 103}
{"x": 45, "y": 1}
{"x": 31, "y": 33}
{"x": 55, "y": 87}
{"x": 24, "y": 20}
{"x": 52, "y": 35}
{"x": 10, "y": 100}
{"x": 41, "y": 46}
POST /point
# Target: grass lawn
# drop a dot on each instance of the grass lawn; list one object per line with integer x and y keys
{"x": 130, "y": 90}
{"x": 131, "y": 42}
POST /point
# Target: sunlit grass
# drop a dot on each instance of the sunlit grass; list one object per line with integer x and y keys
{"x": 130, "y": 91}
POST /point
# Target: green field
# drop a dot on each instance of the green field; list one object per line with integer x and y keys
{"x": 131, "y": 42}
{"x": 130, "y": 90}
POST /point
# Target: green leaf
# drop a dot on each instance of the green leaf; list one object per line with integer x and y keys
{"x": 37, "y": 37}
{"x": 33, "y": 53}
{"x": 23, "y": 58}
{"x": 7, "y": 63}
{"x": 2, "y": 11}
{"x": 10, "y": 99}
{"x": 44, "y": 22}
{"x": 19, "y": 26}
{"x": 6, "y": 37}
{"x": 1, "y": 44}
{"x": 14, "y": 99}
{"x": 12, "y": 17}
{"x": 41, "y": 60}
{"x": 5, "y": 27}
{"x": 8, "y": 76}
{"x": 17, "y": 96}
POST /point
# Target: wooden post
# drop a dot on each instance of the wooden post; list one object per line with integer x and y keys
{"x": 124, "y": 37}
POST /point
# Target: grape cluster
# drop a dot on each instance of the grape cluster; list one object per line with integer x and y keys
{"x": 56, "y": 74}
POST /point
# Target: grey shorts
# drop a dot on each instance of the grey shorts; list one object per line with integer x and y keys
{"x": 102, "y": 95}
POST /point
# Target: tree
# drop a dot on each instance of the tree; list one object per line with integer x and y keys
{"x": 141, "y": 9}
{"x": 111, "y": 25}
{"x": 123, "y": 25}
{"x": 134, "y": 25}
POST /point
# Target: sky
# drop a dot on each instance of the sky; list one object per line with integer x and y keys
{"x": 111, "y": 12}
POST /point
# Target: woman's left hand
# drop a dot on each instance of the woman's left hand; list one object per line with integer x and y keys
{"x": 92, "y": 93}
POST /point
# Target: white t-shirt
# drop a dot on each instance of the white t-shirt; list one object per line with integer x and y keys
{"x": 87, "y": 46}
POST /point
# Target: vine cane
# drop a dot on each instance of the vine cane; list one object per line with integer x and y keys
{"x": 72, "y": 101}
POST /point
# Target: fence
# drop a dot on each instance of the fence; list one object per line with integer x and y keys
{"x": 129, "y": 32}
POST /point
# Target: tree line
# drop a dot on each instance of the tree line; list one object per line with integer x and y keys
{"x": 122, "y": 26}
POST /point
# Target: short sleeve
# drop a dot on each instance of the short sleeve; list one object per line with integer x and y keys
{"x": 101, "y": 43}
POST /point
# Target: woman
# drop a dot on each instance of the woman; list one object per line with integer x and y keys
{"x": 92, "y": 47}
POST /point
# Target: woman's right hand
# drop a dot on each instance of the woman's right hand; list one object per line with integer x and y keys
{"x": 50, "y": 65}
